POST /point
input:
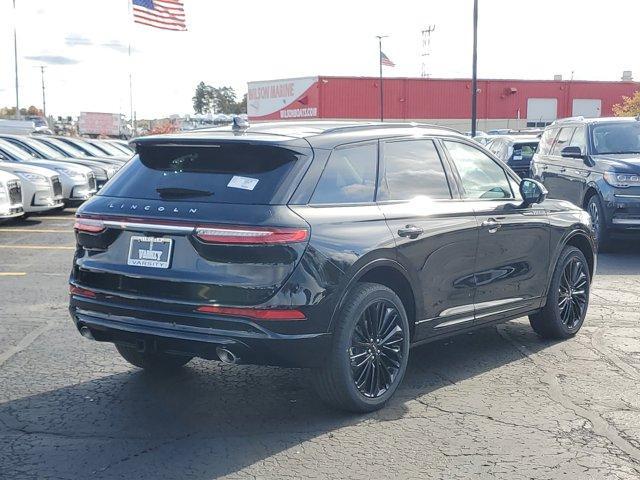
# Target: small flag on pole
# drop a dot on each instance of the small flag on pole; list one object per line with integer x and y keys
{"x": 165, "y": 14}
{"x": 386, "y": 61}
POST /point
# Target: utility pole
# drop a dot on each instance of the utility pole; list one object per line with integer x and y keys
{"x": 426, "y": 48}
{"x": 474, "y": 78}
{"x": 15, "y": 54}
{"x": 380, "y": 37}
{"x": 44, "y": 98}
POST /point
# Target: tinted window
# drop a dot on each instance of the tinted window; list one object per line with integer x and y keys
{"x": 579, "y": 139}
{"x": 349, "y": 176}
{"x": 481, "y": 177}
{"x": 523, "y": 152}
{"x": 413, "y": 168}
{"x": 623, "y": 137}
{"x": 218, "y": 173}
{"x": 562, "y": 141}
{"x": 546, "y": 142}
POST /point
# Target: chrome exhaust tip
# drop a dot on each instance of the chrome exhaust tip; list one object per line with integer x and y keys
{"x": 227, "y": 356}
{"x": 86, "y": 333}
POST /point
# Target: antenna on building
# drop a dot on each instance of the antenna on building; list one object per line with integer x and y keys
{"x": 426, "y": 48}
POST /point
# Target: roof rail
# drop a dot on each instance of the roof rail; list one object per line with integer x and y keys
{"x": 372, "y": 125}
{"x": 579, "y": 118}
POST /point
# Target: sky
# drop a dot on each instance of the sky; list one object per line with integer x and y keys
{"x": 84, "y": 44}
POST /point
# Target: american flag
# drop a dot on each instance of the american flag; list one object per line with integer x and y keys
{"x": 165, "y": 14}
{"x": 386, "y": 61}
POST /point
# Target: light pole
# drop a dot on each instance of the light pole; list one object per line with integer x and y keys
{"x": 15, "y": 54}
{"x": 44, "y": 98}
{"x": 474, "y": 74}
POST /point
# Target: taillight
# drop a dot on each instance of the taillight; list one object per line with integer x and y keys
{"x": 251, "y": 235}
{"x": 81, "y": 292}
{"x": 255, "y": 313}
{"x": 89, "y": 225}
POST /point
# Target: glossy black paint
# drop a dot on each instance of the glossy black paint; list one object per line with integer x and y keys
{"x": 577, "y": 178}
{"x": 469, "y": 262}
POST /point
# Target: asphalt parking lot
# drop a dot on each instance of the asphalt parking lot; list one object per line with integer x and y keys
{"x": 498, "y": 403}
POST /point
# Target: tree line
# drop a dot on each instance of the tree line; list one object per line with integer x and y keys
{"x": 208, "y": 99}
{"x": 10, "y": 112}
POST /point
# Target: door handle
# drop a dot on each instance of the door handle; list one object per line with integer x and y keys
{"x": 563, "y": 169}
{"x": 410, "y": 231}
{"x": 492, "y": 225}
{"x": 544, "y": 167}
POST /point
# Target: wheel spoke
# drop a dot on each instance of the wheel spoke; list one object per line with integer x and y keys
{"x": 377, "y": 349}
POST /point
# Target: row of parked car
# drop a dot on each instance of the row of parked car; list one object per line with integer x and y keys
{"x": 592, "y": 162}
{"x": 39, "y": 173}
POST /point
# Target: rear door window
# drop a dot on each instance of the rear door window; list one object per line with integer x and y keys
{"x": 349, "y": 176}
{"x": 562, "y": 141}
{"x": 411, "y": 169}
{"x": 217, "y": 173}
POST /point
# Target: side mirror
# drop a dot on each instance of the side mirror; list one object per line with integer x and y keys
{"x": 532, "y": 192}
{"x": 571, "y": 152}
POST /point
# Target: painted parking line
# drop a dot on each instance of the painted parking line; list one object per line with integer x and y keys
{"x": 37, "y": 247}
{"x": 36, "y": 230}
{"x": 12, "y": 274}
{"x": 71, "y": 219}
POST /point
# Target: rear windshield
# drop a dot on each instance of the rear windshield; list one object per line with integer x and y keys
{"x": 217, "y": 173}
{"x": 523, "y": 152}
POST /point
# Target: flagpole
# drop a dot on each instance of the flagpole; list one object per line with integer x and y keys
{"x": 15, "y": 53}
{"x": 380, "y": 37}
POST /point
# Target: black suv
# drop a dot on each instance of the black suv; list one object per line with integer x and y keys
{"x": 595, "y": 164}
{"x": 323, "y": 245}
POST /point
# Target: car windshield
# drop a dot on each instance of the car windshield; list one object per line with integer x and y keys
{"x": 616, "y": 138}
{"x": 88, "y": 147}
{"x": 65, "y": 147}
{"x": 108, "y": 149}
{"x": 42, "y": 148}
{"x": 15, "y": 152}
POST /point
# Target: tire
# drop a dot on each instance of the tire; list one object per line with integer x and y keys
{"x": 152, "y": 361}
{"x": 351, "y": 358}
{"x": 567, "y": 305}
{"x": 598, "y": 222}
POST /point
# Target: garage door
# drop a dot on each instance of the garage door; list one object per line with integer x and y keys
{"x": 587, "y": 107}
{"x": 541, "y": 111}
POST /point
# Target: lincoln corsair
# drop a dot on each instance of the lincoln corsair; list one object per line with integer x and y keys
{"x": 331, "y": 246}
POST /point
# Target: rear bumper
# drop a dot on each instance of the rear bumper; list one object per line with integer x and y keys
{"x": 254, "y": 345}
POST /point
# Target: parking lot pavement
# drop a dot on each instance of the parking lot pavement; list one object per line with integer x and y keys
{"x": 498, "y": 403}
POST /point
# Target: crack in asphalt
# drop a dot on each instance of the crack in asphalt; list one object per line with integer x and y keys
{"x": 600, "y": 426}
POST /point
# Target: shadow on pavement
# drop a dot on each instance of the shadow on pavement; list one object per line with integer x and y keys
{"x": 621, "y": 258}
{"x": 210, "y": 419}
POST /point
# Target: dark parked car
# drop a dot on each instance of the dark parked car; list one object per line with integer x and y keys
{"x": 594, "y": 163}
{"x": 330, "y": 246}
{"x": 516, "y": 151}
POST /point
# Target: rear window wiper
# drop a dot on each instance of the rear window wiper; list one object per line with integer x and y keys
{"x": 170, "y": 192}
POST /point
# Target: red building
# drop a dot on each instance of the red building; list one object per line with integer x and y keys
{"x": 501, "y": 103}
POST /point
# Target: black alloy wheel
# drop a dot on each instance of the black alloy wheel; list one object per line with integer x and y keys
{"x": 369, "y": 352}
{"x": 376, "y": 352}
{"x": 572, "y": 292}
{"x": 568, "y": 299}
